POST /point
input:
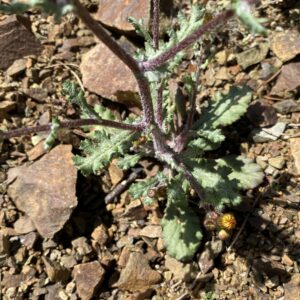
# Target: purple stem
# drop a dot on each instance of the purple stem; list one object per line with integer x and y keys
{"x": 190, "y": 117}
{"x": 159, "y": 105}
{"x": 155, "y": 23}
{"x": 70, "y": 124}
{"x": 154, "y": 63}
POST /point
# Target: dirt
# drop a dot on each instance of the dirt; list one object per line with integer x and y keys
{"x": 114, "y": 249}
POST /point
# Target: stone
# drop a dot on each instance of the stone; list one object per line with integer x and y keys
{"x": 24, "y": 225}
{"x": 37, "y": 151}
{"x": 116, "y": 174}
{"x": 151, "y": 231}
{"x": 17, "y": 67}
{"x": 286, "y": 260}
{"x": 5, "y": 107}
{"x": 286, "y": 45}
{"x": 106, "y": 75}
{"x": 100, "y": 235}
{"x": 68, "y": 261}
{"x": 46, "y": 190}
{"x": 12, "y": 280}
{"x": 137, "y": 275}
{"x": 179, "y": 270}
{"x": 55, "y": 271}
{"x": 295, "y": 151}
{"x": 76, "y": 43}
{"x": 38, "y": 94}
{"x": 16, "y": 40}
{"x": 277, "y": 162}
{"x": 135, "y": 210}
{"x": 287, "y": 106}
{"x": 292, "y": 288}
{"x": 88, "y": 278}
{"x": 4, "y": 245}
{"x": 253, "y": 55}
{"x": 82, "y": 246}
{"x": 30, "y": 239}
{"x": 262, "y": 114}
{"x": 268, "y": 134}
{"x": 207, "y": 256}
{"x": 288, "y": 79}
{"x": 115, "y": 13}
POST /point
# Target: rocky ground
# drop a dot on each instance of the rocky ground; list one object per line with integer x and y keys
{"x": 59, "y": 239}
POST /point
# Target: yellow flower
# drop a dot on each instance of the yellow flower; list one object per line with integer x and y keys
{"x": 227, "y": 221}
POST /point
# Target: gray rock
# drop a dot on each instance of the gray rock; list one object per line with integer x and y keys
{"x": 268, "y": 134}
{"x": 277, "y": 162}
{"x": 287, "y": 106}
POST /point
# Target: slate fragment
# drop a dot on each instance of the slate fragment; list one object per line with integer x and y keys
{"x": 115, "y": 13}
{"x": 253, "y": 55}
{"x": 137, "y": 275}
{"x": 88, "y": 277}
{"x": 262, "y": 114}
{"x": 106, "y": 75}
{"x": 292, "y": 288}
{"x": 16, "y": 40}
{"x": 295, "y": 151}
{"x": 288, "y": 79}
{"x": 46, "y": 190}
{"x": 286, "y": 45}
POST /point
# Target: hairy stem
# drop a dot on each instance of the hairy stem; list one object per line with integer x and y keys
{"x": 159, "y": 105}
{"x": 70, "y": 124}
{"x": 218, "y": 20}
{"x": 192, "y": 111}
{"x": 155, "y": 23}
{"x": 126, "y": 58}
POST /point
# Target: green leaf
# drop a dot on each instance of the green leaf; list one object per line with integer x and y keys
{"x": 207, "y": 140}
{"x": 243, "y": 11}
{"x": 102, "y": 149}
{"x": 128, "y": 161}
{"x": 50, "y": 140}
{"x": 181, "y": 226}
{"x": 225, "y": 109}
{"x": 219, "y": 190}
{"x": 244, "y": 170}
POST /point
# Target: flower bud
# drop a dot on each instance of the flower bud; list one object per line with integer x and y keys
{"x": 227, "y": 221}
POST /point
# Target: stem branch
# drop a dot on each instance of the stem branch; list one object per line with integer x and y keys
{"x": 154, "y": 63}
{"x": 70, "y": 124}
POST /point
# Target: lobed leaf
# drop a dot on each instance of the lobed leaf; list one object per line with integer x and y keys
{"x": 181, "y": 225}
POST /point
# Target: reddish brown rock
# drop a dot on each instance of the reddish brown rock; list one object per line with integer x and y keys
{"x": 88, "y": 278}
{"x": 115, "y": 13}
{"x": 286, "y": 45}
{"x": 288, "y": 79}
{"x": 106, "y": 75}
{"x": 137, "y": 275}
{"x": 46, "y": 190}
{"x": 16, "y": 40}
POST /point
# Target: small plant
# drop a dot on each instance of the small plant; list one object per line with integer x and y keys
{"x": 173, "y": 133}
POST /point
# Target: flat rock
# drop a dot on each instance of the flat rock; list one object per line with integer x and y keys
{"x": 210, "y": 252}
{"x": 292, "y": 288}
{"x": 137, "y": 275}
{"x": 288, "y": 79}
{"x": 55, "y": 271}
{"x": 24, "y": 225}
{"x": 277, "y": 162}
{"x": 88, "y": 278}
{"x": 295, "y": 151}
{"x": 253, "y": 55}
{"x": 46, "y": 190}
{"x": 151, "y": 231}
{"x": 179, "y": 270}
{"x": 268, "y": 134}
{"x": 262, "y": 114}
{"x": 106, "y": 75}
{"x": 38, "y": 94}
{"x": 5, "y": 107}
{"x": 115, "y": 13}
{"x": 15, "y": 30}
{"x": 17, "y": 67}
{"x": 287, "y": 106}
{"x": 286, "y": 45}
